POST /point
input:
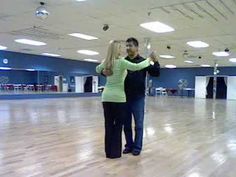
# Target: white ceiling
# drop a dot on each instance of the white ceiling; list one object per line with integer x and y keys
{"x": 211, "y": 21}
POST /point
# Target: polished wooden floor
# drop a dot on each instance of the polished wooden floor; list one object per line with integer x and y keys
{"x": 64, "y": 137}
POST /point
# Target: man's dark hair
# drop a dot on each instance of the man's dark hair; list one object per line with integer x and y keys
{"x": 133, "y": 40}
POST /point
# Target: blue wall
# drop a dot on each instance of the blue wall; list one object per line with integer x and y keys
{"x": 169, "y": 77}
{"x": 44, "y": 63}
{"x": 48, "y": 67}
{"x": 51, "y": 66}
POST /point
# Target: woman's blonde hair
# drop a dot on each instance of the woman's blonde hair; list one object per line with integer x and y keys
{"x": 112, "y": 54}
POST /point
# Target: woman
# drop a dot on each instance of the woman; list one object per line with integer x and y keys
{"x": 113, "y": 96}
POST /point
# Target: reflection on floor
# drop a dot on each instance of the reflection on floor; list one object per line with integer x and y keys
{"x": 64, "y": 137}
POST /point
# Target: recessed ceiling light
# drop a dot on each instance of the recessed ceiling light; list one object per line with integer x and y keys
{"x": 197, "y": 44}
{"x": 166, "y": 56}
{"x": 188, "y": 61}
{"x": 90, "y": 60}
{"x": 170, "y": 66}
{"x": 5, "y": 68}
{"x": 221, "y": 54}
{"x": 87, "y": 52}
{"x": 51, "y": 54}
{"x": 3, "y": 47}
{"x": 232, "y": 60}
{"x": 30, "y": 42}
{"x": 83, "y": 36}
{"x": 206, "y": 65}
{"x": 157, "y": 27}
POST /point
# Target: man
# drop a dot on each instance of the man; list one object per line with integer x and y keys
{"x": 135, "y": 95}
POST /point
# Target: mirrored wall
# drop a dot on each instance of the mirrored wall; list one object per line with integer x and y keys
{"x": 30, "y": 81}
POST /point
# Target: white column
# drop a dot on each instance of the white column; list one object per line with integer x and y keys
{"x": 95, "y": 84}
{"x": 200, "y": 87}
{"x": 58, "y": 82}
{"x": 231, "y": 88}
{"x": 215, "y": 80}
{"x": 79, "y": 84}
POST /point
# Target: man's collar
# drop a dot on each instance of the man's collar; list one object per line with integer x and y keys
{"x": 137, "y": 56}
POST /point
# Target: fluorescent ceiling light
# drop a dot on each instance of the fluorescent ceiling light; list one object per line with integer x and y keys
{"x": 157, "y": 27}
{"x": 232, "y": 60}
{"x": 3, "y": 47}
{"x": 90, "y": 60}
{"x": 5, "y": 68}
{"x": 188, "y": 61}
{"x": 30, "y": 69}
{"x": 30, "y": 42}
{"x": 206, "y": 65}
{"x": 81, "y": 0}
{"x": 83, "y": 36}
{"x": 87, "y": 52}
{"x": 166, "y": 56}
{"x": 221, "y": 54}
{"x": 51, "y": 54}
{"x": 170, "y": 66}
{"x": 197, "y": 44}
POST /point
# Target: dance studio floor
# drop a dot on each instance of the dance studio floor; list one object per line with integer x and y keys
{"x": 64, "y": 137}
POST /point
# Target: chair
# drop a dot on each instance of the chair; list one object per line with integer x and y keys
{"x": 161, "y": 91}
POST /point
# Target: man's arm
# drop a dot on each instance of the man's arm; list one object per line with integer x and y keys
{"x": 106, "y": 72}
{"x": 154, "y": 70}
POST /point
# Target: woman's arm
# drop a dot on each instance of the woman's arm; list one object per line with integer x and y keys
{"x": 99, "y": 68}
{"x": 134, "y": 66}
